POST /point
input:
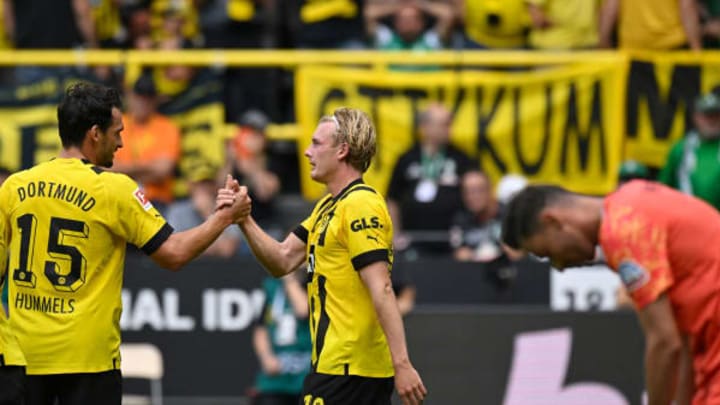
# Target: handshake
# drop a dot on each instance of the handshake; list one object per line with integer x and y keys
{"x": 232, "y": 201}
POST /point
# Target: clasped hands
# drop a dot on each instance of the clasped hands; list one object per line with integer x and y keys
{"x": 233, "y": 200}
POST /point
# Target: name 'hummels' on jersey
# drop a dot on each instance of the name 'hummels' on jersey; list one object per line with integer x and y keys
{"x": 58, "y": 191}
{"x": 52, "y": 305}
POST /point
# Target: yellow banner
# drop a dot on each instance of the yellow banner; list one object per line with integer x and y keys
{"x": 28, "y": 130}
{"x": 662, "y": 88}
{"x": 559, "y": 125}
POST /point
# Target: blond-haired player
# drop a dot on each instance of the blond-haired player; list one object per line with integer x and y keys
{"x": 358, "y": 339}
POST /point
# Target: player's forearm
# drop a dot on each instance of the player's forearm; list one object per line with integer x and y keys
{"x": 685, "y": 376}
{"x": 84, "y": 21}
{"x": 181, "y": 247}
{"x": 691, "y": 23}
{"x": 608, "y": 17}
{"x": 267, "y": 251}
{"x": 661, "y": 367}
{"x": 390, "y": 320}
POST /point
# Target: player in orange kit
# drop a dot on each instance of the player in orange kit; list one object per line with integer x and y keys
{"x": 665, "y": 246}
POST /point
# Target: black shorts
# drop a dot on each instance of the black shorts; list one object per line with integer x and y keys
{"x": 325, "y": 389}
{"x": 74, "y": 389}
{"x": 12, "y": 385}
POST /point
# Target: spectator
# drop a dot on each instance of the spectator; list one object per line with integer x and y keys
{"x": 247, "y": 160}
{"x": 173, "y": 79}
{"x": 424, "y": 190}
{"x": 564, "y": 24}
{"x": 476, "y": 228}
{"x": 493, "y": 24}
{"x": 693, "y": 164}
{"x": 65, "y": 24}
{"x": 245, "y": 24}
{"x": 151, "y": 145}
{"x": 174, "y": 18}
{"x": 281, "y": 340}
{"x": 136, "y": 20}
{"x": 475, "y": 231}
{"x": 108, "y": 24}
{"x": 329, "y": 24}
{"x": 408, "y": 29}
{"x": 651, "y": 24}
{"x": 710, "y": 18}
{"x": 198, "y": 207}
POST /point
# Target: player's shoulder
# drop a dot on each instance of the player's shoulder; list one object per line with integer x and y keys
{"x": 361, "y": 193}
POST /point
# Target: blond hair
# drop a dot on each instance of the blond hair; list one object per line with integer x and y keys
{"x": 353, "y": 127}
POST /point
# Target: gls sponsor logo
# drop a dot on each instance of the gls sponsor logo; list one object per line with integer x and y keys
{"x": 364, "y": 223}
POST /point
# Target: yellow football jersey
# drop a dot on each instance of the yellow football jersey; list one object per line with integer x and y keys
{"x": 344, "y": 234}
{"x": 10, "y": 353}
{"x": 66, "y": 225}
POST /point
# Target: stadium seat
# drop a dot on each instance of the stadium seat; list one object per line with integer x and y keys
{"x": 142, "y": 361}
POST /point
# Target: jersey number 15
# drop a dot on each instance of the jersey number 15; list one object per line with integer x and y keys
{"x": 56, "y": 249}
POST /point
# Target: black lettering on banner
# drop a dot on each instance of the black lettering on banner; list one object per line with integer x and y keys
{"x": 415, "y": 95}
{"x": 531, "y": 168}
{"x": 375, "y": 93}
{"x": 30, "y": 147}
{"x": 484, "y": 121}
{"x": 643, "y": 86}
{"x": 331, "y": 95}
{"x": 583, "y": 138}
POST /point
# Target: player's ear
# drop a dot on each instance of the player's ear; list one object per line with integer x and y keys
{"x": 94, "y": 132}
{"x": 550, "y": 217}
{"x": 343, "y": 150}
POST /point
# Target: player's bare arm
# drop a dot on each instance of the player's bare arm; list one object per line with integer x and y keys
{"x": 181, "y": 247}
{"x": 376, "y": 278}
{"x": 278, "y": 258}
{"x": 662, "y": 351}
{"x": 686, "y": 376}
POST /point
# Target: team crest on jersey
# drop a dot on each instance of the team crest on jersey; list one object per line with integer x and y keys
{"x": 140, "y": 197}
{"x": 632, "y": 275}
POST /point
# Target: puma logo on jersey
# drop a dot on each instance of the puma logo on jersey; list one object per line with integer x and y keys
{"x": 373, "y": 238}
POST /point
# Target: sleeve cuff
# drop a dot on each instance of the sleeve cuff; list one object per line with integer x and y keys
{"x": 370, "y": 257}
{"x": 160, "y": 237}
{"x": 301, "y": 233}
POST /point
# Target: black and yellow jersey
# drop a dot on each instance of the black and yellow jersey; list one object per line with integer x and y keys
{"x": 10, "y": 353}
{"x": 65, "y": 224}
{"x": 344, "y": 234}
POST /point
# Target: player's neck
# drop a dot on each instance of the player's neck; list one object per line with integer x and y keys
{"x": 73, "y": 152}
{"x": 592, "y": 207}
{"x": 345, "y": 175}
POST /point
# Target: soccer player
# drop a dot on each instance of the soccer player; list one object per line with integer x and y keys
{"x": 357, "y": 332}
{"x": 664, "y": 246}
{"x": 65, "y": 224}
